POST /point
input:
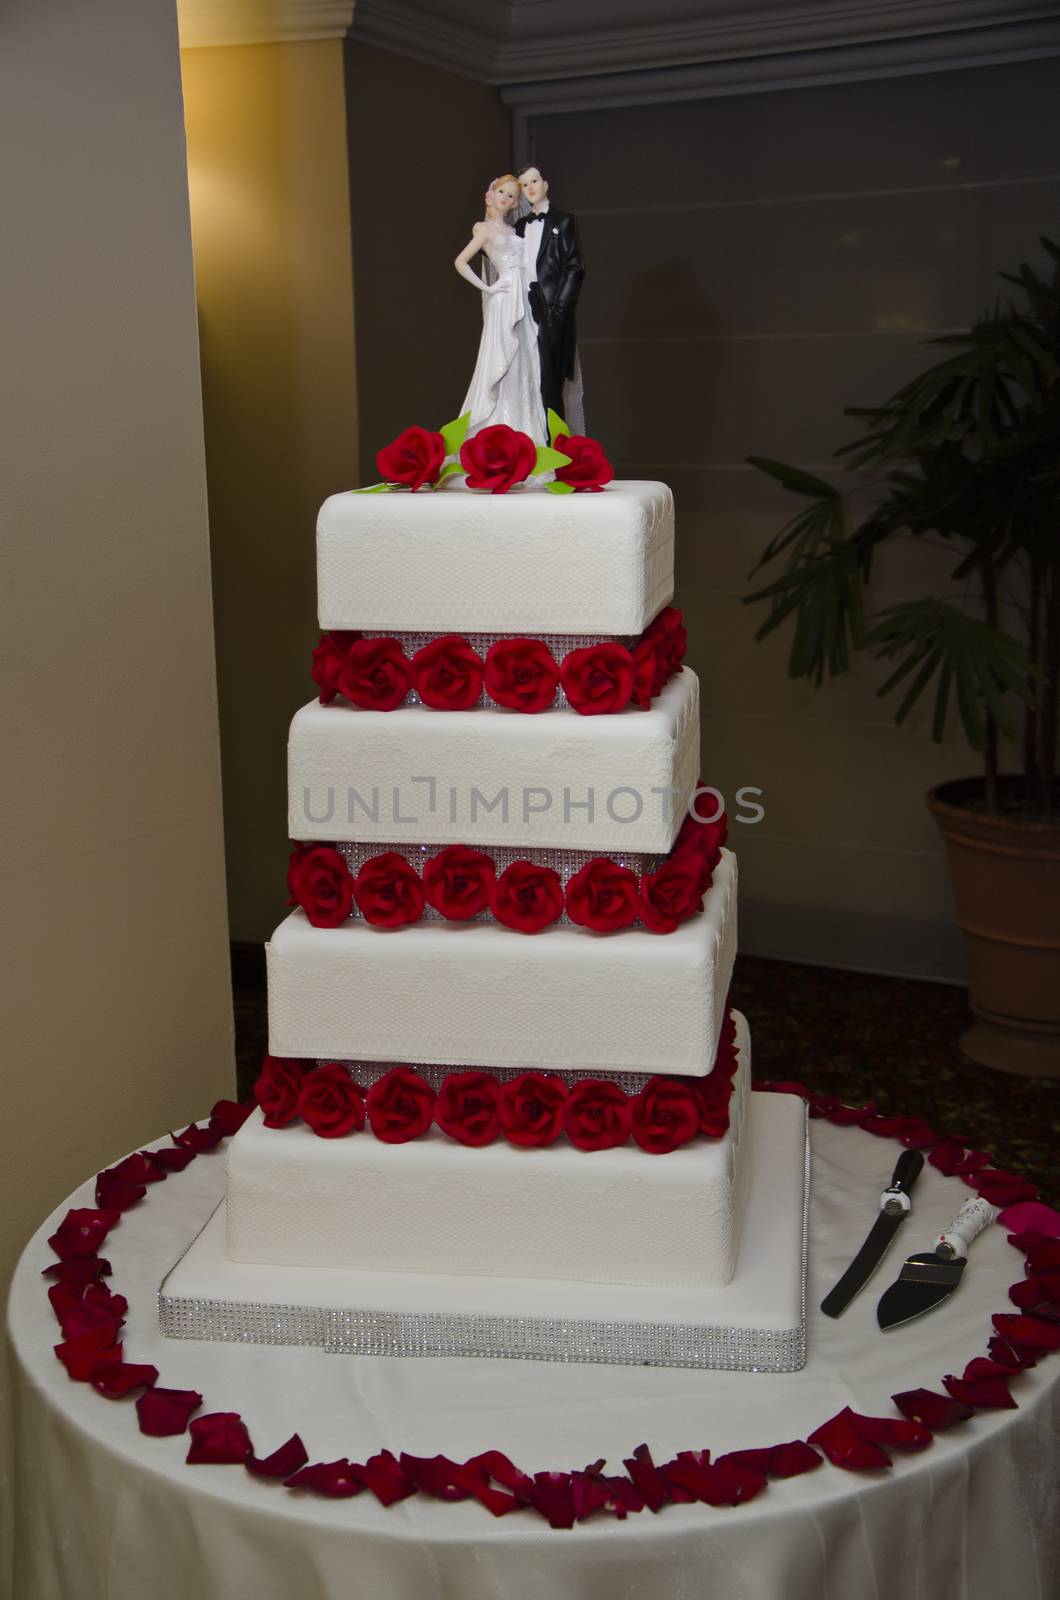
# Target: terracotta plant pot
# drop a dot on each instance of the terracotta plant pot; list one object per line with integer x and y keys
{"x": 1006, "y": 885}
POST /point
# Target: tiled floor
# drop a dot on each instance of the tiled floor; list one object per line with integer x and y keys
{"x": 859, "y": 1037}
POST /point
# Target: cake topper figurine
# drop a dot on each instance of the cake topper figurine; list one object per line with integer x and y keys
{"x": 555, "y": 271}
{"x": 506, "y": 384}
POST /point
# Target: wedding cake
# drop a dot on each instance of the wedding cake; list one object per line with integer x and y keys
{"x": 506, "y": 1108}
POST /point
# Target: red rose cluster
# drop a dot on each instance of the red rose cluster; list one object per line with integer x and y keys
{"x": 494, "y": 459}
{"x": 461, "y": 882}
{"x": 520, "y": 673}
{"x": 476, "y": 1108}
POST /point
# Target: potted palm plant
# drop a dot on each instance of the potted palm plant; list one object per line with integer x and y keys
{"x": 967, "y": 453}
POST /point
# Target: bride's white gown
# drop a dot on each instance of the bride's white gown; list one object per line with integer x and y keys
{"x": 506, "y": 383}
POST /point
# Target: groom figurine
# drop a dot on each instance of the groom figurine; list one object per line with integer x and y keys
{"x": 556, "y": 274}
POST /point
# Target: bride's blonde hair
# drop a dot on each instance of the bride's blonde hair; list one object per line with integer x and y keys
{"x": 492, "y": 213}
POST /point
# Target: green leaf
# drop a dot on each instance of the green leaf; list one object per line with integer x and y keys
{"x": 559, "y": 488}
{"x": 454, "y": 433}
{"x": 548, "y": 459}
{"x": 449, "y": 468}
{"x": 557, "y": 428}
{"x": 374, "y": 488}
{"x": 794, "y": 478}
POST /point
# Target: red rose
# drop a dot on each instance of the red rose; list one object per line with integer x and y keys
{"x": 603, "y": 896}
{"x": 447, "y": 674}
{"x": 466, "y": 1108}
{"x": 706, "y": 837}
{"x": 668, "y": 634}
{"x": 597, "y": 1114}
{"x": 521, "y": 674}
{"x": 329, "y": 658}
{"x": 376, "y": 674}
{"x": 319, "y": 881}
{"x": 331, "y": 1103}
{"x": 528, "y": 897}
{"x": 531, "y": 1109}
{"x": 665, "y": 1115}
{"x": 712, "y": 1095}
{"x": 589, "y": 467}
{"x": 277, "y": 1089}
{"x": 598, "y": 679}
{"x": 497, "y": 457}
{"x": 415, "y": 457}
{"x": 646, "y": 677}
{"x": 400, "y": 1106}
{"x": 674, "y": 893}
{"x": 388, "y": 891}
{"x": 458, "y": 882}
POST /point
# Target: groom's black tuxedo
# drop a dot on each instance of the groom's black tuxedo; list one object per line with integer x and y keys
{"x": 554, "y": 298}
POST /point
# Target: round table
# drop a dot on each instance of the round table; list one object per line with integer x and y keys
{"x": 105, "y": 1513}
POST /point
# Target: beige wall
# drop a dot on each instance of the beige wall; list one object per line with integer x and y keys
{"x": 424, "y": 144}
{"x": 271, "y": 225}
{"x": 116, "y": 1006}
{"x": 755, "y": 264}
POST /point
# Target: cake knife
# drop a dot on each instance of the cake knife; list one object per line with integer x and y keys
{"x": 931, "y": 1277}
{"x": 895, "y": 1206}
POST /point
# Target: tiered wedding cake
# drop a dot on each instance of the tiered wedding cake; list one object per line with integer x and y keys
{"x": 505, "y": 1111}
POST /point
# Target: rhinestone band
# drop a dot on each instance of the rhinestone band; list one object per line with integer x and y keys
{"x": 368, "y": 1072}
{"x": 342, "y": 1331}
{"x": 355, "y": 852}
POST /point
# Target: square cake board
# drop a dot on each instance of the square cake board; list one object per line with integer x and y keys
{"x": 756, "y": 1323}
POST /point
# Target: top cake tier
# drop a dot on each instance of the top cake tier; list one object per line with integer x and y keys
{"x": 525, "y": 562}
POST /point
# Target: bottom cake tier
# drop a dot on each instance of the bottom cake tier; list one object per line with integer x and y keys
{"x": 755, "y": 1323}
{"x": 433, "y": 1205}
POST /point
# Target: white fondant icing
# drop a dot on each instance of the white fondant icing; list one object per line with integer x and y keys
{"x": 432, "y": 1206}
{"x": 483, "y": 994}
{"x": 525, "y": 562}
{"x": 495, "y": 776}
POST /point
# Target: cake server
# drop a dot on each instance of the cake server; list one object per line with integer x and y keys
{"x": 895, "y": 1206}
{"x": 928, "y": 1279}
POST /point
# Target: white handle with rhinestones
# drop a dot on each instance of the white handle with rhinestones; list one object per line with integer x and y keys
{"x": 969, "y": 1222}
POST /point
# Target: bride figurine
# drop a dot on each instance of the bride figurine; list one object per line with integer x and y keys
{"x": 506, "y": 382}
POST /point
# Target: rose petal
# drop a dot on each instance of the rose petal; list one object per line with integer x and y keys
{"x": 115, "y": 1194}
{"x": 553, "y": 1498}
{"x": 646, "y": 1478}
{"x": 219, "y": 1438}
{"x": 1032, "y": 1333}
{"x": 436, "y": 1476}
{"x": 1031, "y": 1216}
{"x": 1039, "y": 1294}
{"x": 161, "y": 1412}
{"x": 947, "y": 1156}
{"x": 78, "y": 1270}
{"x": 778, "y": 1460}
{"x": 228, "y": 1116}
{"x": 383, "y": 1475}
{"x": 1007, "y": 1356}
{"x": 114, "y": 1382}
{"x": 334, "y": 1479}
{"x": 282, "y": 1463}
{"x": 82, "y": 1231}
{"x": 504, "y": 1471}
{"x": 199, "y": 1140}
{"x": 845, "y": 1448}
{"x": 171, "y": 1158}
{"x": 982, "y": 1393}
{"x": 931, "y": 1410}
{"x": 80, "y": 1356}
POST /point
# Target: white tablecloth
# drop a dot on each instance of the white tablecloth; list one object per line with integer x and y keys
{"x": 104, "y": 1513}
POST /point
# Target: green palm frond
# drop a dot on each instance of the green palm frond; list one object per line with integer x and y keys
{"x": 969, "y": 658}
